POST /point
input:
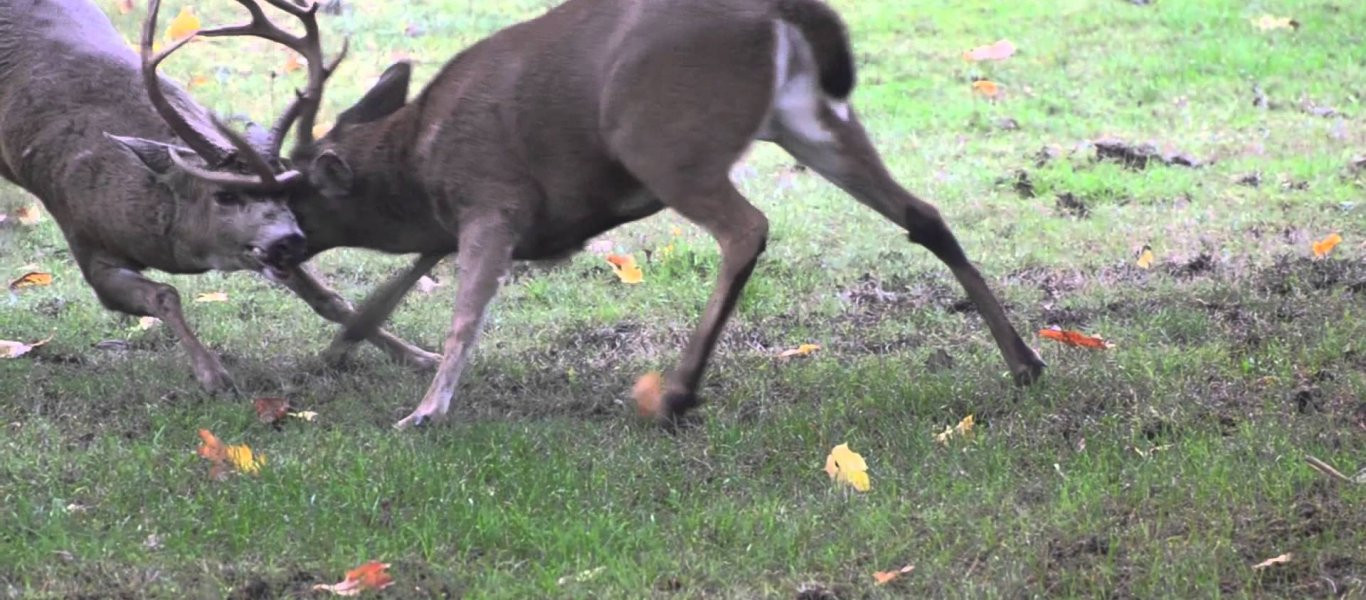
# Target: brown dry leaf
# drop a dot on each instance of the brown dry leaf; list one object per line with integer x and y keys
{"x": 183, "y": 24}
{"x": 1275, "y": 560}
{"x": 1076, "y": 338}
{"x": 270, "y": 410}
{"x": 373, "y": 575}
{"x": 125, "y": 6}
{"x": 29, "y": 215}
{"x": 883, "y": 577}
{"x": 1000, "y": 50}
{"x": 31, "y": 279}
{"x": 1322, "y": 247}
{"x": 986, "y": 88}
{"x": 212, "y": 297}
{"x": 11, "y": 349}
{"x": 802, "y": 350}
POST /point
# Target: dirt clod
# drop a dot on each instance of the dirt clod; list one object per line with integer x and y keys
{"x": 1138, "y": 157}
{"x": 1069, "y": 205}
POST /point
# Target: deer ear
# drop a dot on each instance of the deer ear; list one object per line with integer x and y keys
{"x": 331, "y": 175}
{"x": 387, "y": 96}
{"x": 155, "y": 155}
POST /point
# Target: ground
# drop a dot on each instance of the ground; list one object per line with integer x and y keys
{"x": 1166, "y": 466}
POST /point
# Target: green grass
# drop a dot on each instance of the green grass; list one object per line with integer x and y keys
{"x": 1164, "y": 467}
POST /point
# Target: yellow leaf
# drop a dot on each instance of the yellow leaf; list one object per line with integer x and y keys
{"x": 221, "y": 455}
{"x": 626, "y": 268}
{"x": 32, "y": 279}
{"x": 1145, "y": 257}
{"x": 676, "y": 231}
{"x": 212, "y": 297}
{"x": 988, "y": 89}
{"x": 305, "y": 415}
{"x": 183, "y": 24}
{"x": 1270, "y": 23}
{"x": 846, "y": 466}
{"x": 145, "y": 323}
{"x": 963, "y": 430}
{"x": 1000, "y": 50}
{"x": 241, "y": 457}
{"x": 802, "y": 350}
{"x": 1324, "y": 246}
{"x": 1275, "y": 560}
{"x": 29, "y": 215}
{"x": 883, "y": 577}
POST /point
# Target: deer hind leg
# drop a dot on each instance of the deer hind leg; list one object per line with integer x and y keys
{"x": 484, "y": 258}
{"x": 126, "y": 290}
{"x": 848, "y": 159}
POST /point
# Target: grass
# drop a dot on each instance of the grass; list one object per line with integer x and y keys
{"x": 1164, "y": 467}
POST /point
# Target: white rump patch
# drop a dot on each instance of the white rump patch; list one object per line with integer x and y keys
{"x": 798, "y": 101}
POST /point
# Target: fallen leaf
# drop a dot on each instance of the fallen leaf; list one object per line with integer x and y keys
{"x": 427, "y": 285}
{"x": 212, "y": 297}
{"x": 1271, "y": 23}
{"x": 270, "y": 410}
{"x": 963, "y": 429}
{"x": 1324, "y": 246}
{"x": 649, "y": 395}
{"x": 1145, "y": 257}
{"x": 304, "y": 415}
{"x": 9, "y": 349}
{"x": 1000, "y": 50}
{"x": 373, "y": 575}
{"x": 1275, "y": 560}
{"x": 581, "y": 576}
{"x": 625, "y": 267}
{"x": 183, "y": 24}
{"x": 847, "y": 466}
{"x": 29, "y": 215}
{"x": 125, "y": 6}
{"x": 221, "y": 455}
{"x": 1075, "y": 338}
{"x": 145, "y": 323}
{"x": 802, "y": 350}
{"x": 198, "y": 81}
{"x": 293, "y": 63}
{"x": 31, "y": 279}
{"x": 986, "y": 88}
{"x": 883, "y": 577}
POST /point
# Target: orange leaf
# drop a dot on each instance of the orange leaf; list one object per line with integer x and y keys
{"x": 1000, "y": 50}
{"x": 125, "y": 6}
{"x": 213, "y": 448}
{"x": 649, "y": 395}
{"x": 270, "y": 410}
{"x": 373, "y": 575}
{"x": 1324, "y": 246}
{"x": 983, "y": 87}
{"x": 198, "y": 81}
{"x": 29, "y": 215}
{"x": 293, "y": 63}
{"x": 626, "y": 268}
{"x": 33, "y": 279}
{"x": 183, "y": 24}
{"x": 883, "y": 577}
{"x": 1075, "y": 338}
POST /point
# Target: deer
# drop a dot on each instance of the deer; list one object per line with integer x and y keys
{"x": 596, "y": 113}
{"x": 117, "y": 155}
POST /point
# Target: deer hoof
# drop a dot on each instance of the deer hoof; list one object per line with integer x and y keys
{"x": 215, "y": 380}
{"x": 421, "y": 360}
{"x": 1029, "y": 372}
{"x": 417, "y": 420}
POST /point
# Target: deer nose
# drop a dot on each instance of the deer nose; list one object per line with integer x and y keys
{"x": 286, "y": 250}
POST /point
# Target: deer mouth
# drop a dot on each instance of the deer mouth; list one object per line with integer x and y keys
{"x": 274, "y": 263}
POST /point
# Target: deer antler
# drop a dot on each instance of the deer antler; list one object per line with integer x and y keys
{"x": 306, "y": 103}
{"x": 266, "y": 179}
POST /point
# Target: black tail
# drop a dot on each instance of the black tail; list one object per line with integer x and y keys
{"x": 824, "y": 30}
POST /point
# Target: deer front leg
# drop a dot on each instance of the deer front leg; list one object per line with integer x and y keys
{"x": 376, "y": 308}
{"x": 484, "y": 258}
{"x": 331, "y": 306}
{"x": 127, "y": 291}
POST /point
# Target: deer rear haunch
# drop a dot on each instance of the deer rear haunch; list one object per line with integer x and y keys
{"x": 598, "y": 113}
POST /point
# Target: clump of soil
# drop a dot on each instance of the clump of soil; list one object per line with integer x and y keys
{"x": 1138, "y": 157}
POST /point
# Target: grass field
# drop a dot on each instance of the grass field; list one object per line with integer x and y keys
{"x": 1166, "y": 466}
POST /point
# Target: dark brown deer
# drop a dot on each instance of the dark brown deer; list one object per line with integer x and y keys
{"x": 597, "y": 113}
{"x": 100, "y": 139}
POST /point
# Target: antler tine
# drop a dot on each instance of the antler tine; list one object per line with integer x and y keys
{"x": 238, "y": 181}
{"x": 248, "y": 154}
{"x": 211, "y": 151}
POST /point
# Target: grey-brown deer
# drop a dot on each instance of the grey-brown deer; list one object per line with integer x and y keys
{"x": 100, "y": 139}
{"x": 597, "y": 113}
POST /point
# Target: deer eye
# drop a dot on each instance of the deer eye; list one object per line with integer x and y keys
{"x": 227, "y": 198}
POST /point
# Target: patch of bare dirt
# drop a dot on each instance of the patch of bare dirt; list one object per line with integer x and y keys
{"x": 1139, "y": 156}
